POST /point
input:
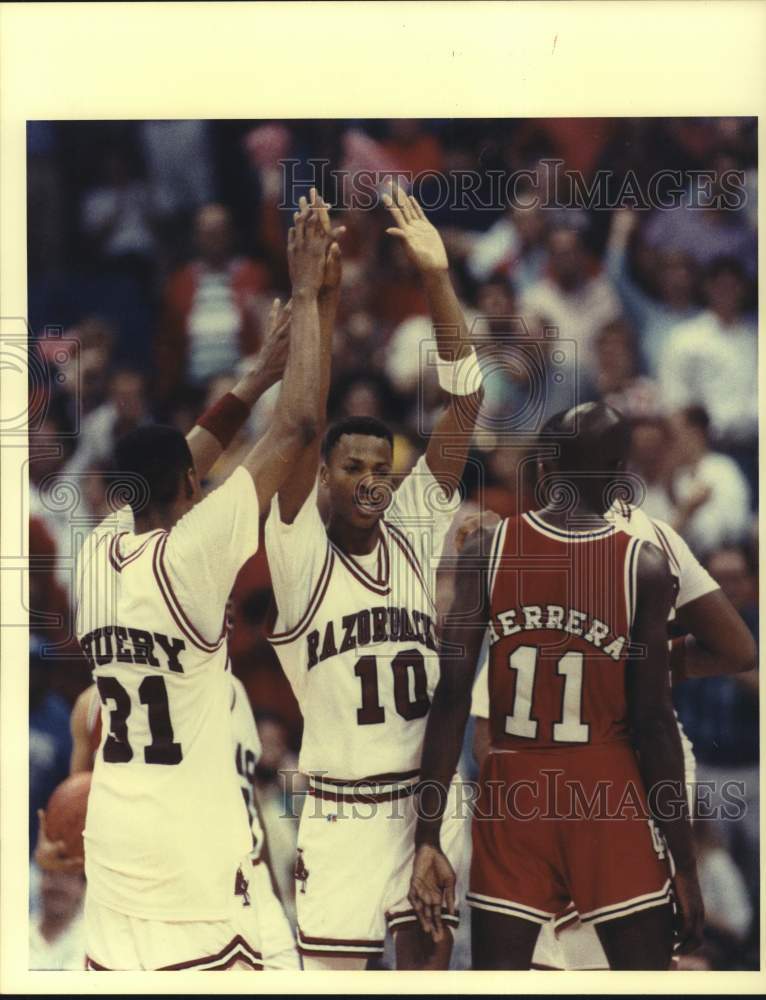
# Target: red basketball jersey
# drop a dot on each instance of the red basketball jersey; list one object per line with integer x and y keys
{"x": 562, "y": 605}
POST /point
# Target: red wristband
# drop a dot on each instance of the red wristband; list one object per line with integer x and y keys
{"x": 224, "y": 418}
{"x": 678, "y": 659}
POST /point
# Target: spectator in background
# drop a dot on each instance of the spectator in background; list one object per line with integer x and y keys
{"x": 50, "y": 742}
{"x": 362, "y": 393}
{"x": 728, "y": 908}
{"x": 710, "y": 224}
{"x": 711, "y": 492}
{"x": 50, "y": 615}
{"x": 179, "y": 165}
{"x": 117, "y": 219}
{"x": 209, "y": 318}
{"x": 412, "y": 147}
{"x": 57, "y": 930}
{"x": 616, "y": 378}
{"x": 711, "y": 361}
{"x": 51, "y": 446}
{"x": 574, "y": 297}
{"x": 651, "y": 459}
{"x": 737, "y": 575}
{"x": 514, "y": 247}
{"x": 126, "y": 408}
{"x": 673, "y": 280}
{"x": 720, "y": 717}
{"x": 97, "y": 340}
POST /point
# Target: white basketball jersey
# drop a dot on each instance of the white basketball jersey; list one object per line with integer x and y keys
{"x": 165, "y": 829}
{"x": 359, "y": 646}
{"x": 247, "y": 750}
{"x": 690, "y": 578}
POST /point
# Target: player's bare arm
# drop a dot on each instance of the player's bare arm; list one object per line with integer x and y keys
{"x": 267, "y": 369}
{"x": 433, "y": 879}
{"x": 51, "y": 855}
{"x": 717, "y": 640}
{"x": 654, "y": 732}
{"x": 294, "y": 492}
{"x": 82, "y": 750}
{"x": 450, "y": 439}
{"x": 297, "y": 416}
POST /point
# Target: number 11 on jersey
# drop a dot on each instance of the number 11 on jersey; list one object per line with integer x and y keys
{"x": 570, "y": 728}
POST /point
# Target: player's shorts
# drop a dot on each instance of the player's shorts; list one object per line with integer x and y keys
{"x": 554, "y": 826}
{"x": 354, "y": 863}
{"x": 574, "y": 946}
{"x": 265, "y": 921}
{"x": 115, "y": 941}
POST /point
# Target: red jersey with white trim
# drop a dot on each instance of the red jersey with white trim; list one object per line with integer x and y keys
{"x": 562, "y": 606}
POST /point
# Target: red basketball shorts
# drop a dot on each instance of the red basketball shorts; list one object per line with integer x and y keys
{"x": 555, "y": 826}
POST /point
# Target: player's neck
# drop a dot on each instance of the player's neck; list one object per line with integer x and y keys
{"x": 351, "y": 540}
{"x": 153, "y": 518}
{"x": 579, "y": 518}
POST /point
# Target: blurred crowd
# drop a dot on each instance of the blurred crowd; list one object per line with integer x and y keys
{"x": 156, "y": 248}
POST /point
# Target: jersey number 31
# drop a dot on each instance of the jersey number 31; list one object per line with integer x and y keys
{"x": 152, "y": 693}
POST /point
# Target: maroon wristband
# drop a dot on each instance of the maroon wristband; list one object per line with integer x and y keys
{"x": 224, "y": 418}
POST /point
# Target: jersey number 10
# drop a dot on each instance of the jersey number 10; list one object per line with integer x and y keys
{"x": 408, "y": 663}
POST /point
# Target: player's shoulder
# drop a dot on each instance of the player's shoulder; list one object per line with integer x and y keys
{"x": 653, "y": 566}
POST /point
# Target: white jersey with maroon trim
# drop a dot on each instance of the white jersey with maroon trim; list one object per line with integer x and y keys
{"x": 356, "y": 634}
{"x": 165, "y": 830}
{"x": 247, "y": 750}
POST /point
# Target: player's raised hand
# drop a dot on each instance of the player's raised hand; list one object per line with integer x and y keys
{"x": 272, "y": 357}
{"x": 691, "y": 911}
{"x": 51, "y": 855}
{"x": 307, "y": 244}
{"x": 332, "y": 270}
{"x": 432, "y": 887}
{"x": 317, "y": 203}
{"x": 422, "y": 241}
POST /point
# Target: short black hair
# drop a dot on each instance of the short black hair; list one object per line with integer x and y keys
{"x": 158, "y": 456}
{"x": 593, "y": 441}
{"x": 369, "y": 426}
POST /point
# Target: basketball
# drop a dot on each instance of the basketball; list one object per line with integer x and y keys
{"x": 67, "y": 808}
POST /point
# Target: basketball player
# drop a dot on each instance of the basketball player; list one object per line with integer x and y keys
{"x": 355, "y": 633}
{"x": 714, "y": 640}
{"x": 580, "y": 715}
{"x": 266, "y": 913}
{"x": 166, "y": 833}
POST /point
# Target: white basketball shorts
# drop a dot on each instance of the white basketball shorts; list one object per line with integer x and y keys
{"x": 354, "y": 863}
{"x": 115, "y": 941}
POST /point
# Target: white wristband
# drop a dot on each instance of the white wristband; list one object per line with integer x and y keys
{"x": 461, "y": 377}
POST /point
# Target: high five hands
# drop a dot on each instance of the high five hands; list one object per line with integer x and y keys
{"x": 316, "y": 212}
{"x": 422, "y": 241}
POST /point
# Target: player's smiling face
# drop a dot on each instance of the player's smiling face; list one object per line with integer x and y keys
{"x": 357, "y": 475}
